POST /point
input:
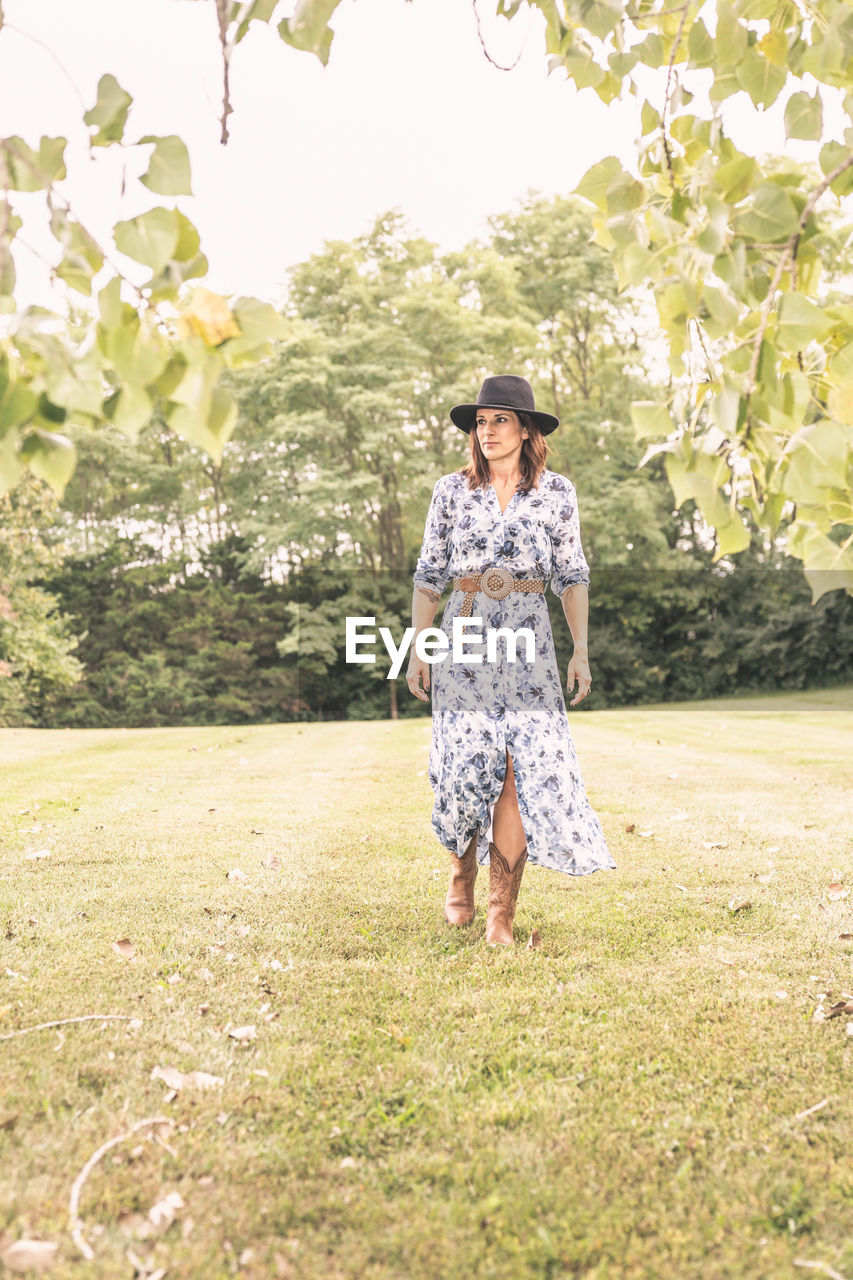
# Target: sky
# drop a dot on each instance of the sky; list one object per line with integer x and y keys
{"x": 409, "y": 113}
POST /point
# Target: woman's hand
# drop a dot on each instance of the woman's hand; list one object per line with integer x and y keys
{"x": 418, "y": 671}
{"x": 578, "y": 671}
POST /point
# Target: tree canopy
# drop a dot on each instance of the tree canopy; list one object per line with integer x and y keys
{"x": 755, "y": 423}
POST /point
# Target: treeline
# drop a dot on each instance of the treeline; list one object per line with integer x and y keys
{"x": 217, "y": 593}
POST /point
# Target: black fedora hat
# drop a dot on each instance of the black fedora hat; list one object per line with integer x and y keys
{"x": 504, "y": 391}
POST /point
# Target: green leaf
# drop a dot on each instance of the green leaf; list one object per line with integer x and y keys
{"x": 833, "y": 154}
{"x": 601, "y": 16}
{"x": 815, "y": 460}
{"x": 11, "y": 466}
{"x": 597, "y": 180}
{"x": 308, "y": 29}
{"x": 762, "y": 79}
{"x": 726, "y": 410}
{"x": 803, "y": 116}
{"x": 731, "y": 40}
{"x": 649, "y": 118}
{"x": 18, "y": 401}
{"x": 736, "y": 178}
{"x": 700, "y": 46}
{"x": 723, "y": 308}
{"x": 49, "y": 456}
{"x": 582, "y": 67}
{"x": 109, "y": 114}
{"x": 650, "y": 418}
{"x": 262, "y": 10}
{"x": 168, "y": 171}
{"x": 772, "y": 217}
{"x": 150, "y": 238}
{"x": 132, "y": 410}
{"x": 800, "y": 322}
{"x": 110, "y": 306}
{"x": 651, "y": 50}
{"x": 138, "y": 355}
{"x": 828, "y": 566}
{"x": 29, "y": 170}
{"x": 209, "y": 419}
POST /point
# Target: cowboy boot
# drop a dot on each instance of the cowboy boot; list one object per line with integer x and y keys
{"x": 503, "y": 896}
{"x": 459, "y": 904}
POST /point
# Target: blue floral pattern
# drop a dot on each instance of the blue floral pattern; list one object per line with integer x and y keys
{"x": 481, "y": 711}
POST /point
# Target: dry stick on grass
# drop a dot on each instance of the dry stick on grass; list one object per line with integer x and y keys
{"x": 74, "y": 1199}
{"x": 823, "y": 1267}
{"x": 63, "y": 1022}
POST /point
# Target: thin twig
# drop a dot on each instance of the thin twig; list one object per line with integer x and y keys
{"x": 674, "y": 50}
{"x": 819, "y": 1266}
{"x": 74, "y": 1199}
{"x": 222, "y": 7}
{"x": 483, "y": 43}
{"x": 809, "y": 1111}
{"x": 63, "y": 1022}
{"x": 8, "y": 26}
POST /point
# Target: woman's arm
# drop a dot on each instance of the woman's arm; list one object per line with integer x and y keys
{"x": 424, "y": 605}
{"x": 575, "y": 601}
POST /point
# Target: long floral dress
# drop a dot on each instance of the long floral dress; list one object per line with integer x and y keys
{"x": 481, "y": 711}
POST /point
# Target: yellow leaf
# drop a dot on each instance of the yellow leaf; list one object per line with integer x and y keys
{"x": 211, "y": 318}
{"x": 774, "y": 46}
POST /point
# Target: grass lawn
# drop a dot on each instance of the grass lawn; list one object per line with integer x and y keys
{"x": 648, "y": 1094}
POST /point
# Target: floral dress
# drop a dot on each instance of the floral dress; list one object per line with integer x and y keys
{"x": 481, "y": 711}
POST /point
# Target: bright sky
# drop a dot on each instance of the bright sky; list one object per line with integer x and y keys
{"x": 408, "y": 113}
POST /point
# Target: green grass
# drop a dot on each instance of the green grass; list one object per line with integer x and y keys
{"x": 622, "y": 1102}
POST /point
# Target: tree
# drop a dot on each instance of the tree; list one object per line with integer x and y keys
{"x": 37, "y": 659}
{"x": 758, "y": 417}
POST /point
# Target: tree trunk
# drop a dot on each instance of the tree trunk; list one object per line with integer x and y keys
{"x": 392, "y": 693}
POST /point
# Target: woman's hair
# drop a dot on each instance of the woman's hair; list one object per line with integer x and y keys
{"x": 534, "y": 453}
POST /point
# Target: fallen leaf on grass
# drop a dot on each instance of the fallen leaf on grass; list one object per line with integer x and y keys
{"x": 175, "y": 1079}
{"x": 724, "y": 958}
{"x": 243, "y": 1034}
{"x": 739, "y": 904}
{"x": 256, "y": 831}
{"x": 162, "y": 1214}
{"x": 124, "y": 947}
{"x": 28, "y": 1255}
{"x": 845, "y": 937}
{"x": 646, "y": 833}
{"x": 31, "y": 857}
{"x": 273, "y": 862}
{"x": 632, "y": 826}
{"x": 534, "y": 942}
{"x": 713, "y": 844}
{"x": 844, "y": 1005}
{"x": 836, "y": 892}
{"x": 236, "y": 874}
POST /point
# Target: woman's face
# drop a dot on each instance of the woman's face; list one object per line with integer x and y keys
{"x": 500, "y": 433}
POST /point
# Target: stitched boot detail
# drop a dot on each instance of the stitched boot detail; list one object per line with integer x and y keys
{"x": 504, "y": 885}
{"x": 459, "y": 905}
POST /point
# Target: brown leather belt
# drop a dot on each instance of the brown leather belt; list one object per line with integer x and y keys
{"x": 495, "y": 583}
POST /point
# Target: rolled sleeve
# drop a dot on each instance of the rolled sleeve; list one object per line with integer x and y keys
{"x": 431, "y": 571}
{"x": 570, "y": 566}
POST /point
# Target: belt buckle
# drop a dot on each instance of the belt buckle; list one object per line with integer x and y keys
{"x": 496, "y": 583}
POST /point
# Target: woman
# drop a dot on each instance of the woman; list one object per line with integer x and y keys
{"x": 502, "y": 763}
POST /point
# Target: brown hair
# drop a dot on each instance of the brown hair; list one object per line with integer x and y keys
{"x": 534, "y": 453}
